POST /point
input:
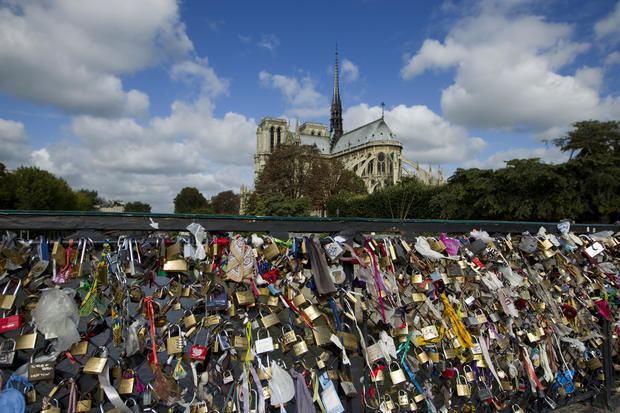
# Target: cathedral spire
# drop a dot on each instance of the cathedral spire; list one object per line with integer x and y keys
{"x": 335, "y": 123}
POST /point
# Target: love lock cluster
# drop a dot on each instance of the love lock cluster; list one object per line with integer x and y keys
{"x": 206, "y": 321}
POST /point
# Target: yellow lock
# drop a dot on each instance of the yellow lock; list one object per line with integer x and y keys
{"x": 174, "y": 344}
{"x": 95, "y": 365}
{"x": 397, "y": 375}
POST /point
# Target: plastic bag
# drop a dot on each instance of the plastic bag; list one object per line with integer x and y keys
{"x": 452, "y": 245}
{"x": 281, "y": 383}
{"x": 197, "y": 252}
{"x": 56, "y": 315}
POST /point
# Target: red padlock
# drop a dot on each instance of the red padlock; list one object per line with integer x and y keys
{"x": 448, "y": 373}
{"x": 198, "y": 353}
{"x": 11, "y": 322}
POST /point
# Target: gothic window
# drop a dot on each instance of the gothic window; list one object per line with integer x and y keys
{"x": 279, "y": 130}
{"x": 381, "y": 163}
{"x": 371, "y": 167}
{"x": 271, "y": 133}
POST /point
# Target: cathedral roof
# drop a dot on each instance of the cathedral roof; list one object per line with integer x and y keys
{"x": 376, "y": 130}
{"x": 321, "y": 142}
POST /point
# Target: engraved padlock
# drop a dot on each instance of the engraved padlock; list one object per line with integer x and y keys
{"x": 269, "y": 320}
{"x": 388, "y": 402}
{"x": 462, "y": 387}
{"x": 263, "y": 345}
{"x": 7, "y": 299}
{"x": 396, "y": 375}
{"x": 288, "y": 336}
{"x": 174, "y": 344}
{"x": 300, "y": 348}
{"x": 96, "y": 363}
{"x": 189, "y": 319}
{"x": 403, "y": 399}
{"x": 7, "y": 352}
{"x": 311, "y": 312}
{"x": 469, "y": 374}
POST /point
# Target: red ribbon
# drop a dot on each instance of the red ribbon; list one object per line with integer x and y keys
{"x": 271, "y": 276}
{"x": 296, "y": 310}
{"x": 148, "y": 301}
{"x": 531, "y": 371}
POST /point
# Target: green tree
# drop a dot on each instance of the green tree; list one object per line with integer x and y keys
{"x": 137, "y": 206}
{"x": 277, "y": 204}
{"x": 591, "y": 138}
{"x": 226, "y": 202}
{"x": 30, "y": 188}
{"x": 85, "y": 200}
{"x": 190, "y": 201}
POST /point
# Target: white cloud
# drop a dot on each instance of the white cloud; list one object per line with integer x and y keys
{"x": 350, "y": 71}
{"x": 508, "y": 73}
{"x": 269, "y": 42}
{"x": 152, "y": 161}
{"x": 302, "y": 99}
{"x": 70, "y": 54}
{"x": 427, "y": 138}
{"x": 14, "y": 143}
{"x": 613, "y": 58}
{"x": 198, "y": 71}
{"x": 499, "y": 159}
{"x": 609, "y": 27}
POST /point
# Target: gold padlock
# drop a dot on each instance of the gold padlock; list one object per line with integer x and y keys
{"x": 51, "y": 409}
{"x": 376, "y": 374}
{"x": 26, "y": 341}
{"x": 126, "y": 384}
{"x": 273, "y": 301}
{"x": 398, "y": 375}
{"x": 95, "y": 365}
{"x": 300, "y": 348}
{"x": 288, "y": 337}
{"x": 462, "y": 387}
{"x": 245, "y": 297}
{"x": 299, "y": 299}
{"x": 174, "y": 344}
{"x": 388, "y": 402}
{"x": 189, "y": 320}
{"x": 469, "y": 373}
{"x": 403, "y": 399}
{"x": 311, "y": 312}
{"x": 269, "y": 320}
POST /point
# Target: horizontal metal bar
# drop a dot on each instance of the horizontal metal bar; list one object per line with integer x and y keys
{"x": 106, "y": 221}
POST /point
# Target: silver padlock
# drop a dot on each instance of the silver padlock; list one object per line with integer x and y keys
{"x": 147, "y": 395}
{"x": 7, "y": 352}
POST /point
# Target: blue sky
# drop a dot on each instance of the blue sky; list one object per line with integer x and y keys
{"x": 139, "y": 99}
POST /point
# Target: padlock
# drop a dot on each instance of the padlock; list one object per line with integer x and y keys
{"x": 40, "y": 371}
{"x": 189, "y": 320}
{"x": 376, "y": 373}
{"x": 270, "y": 319}
{"x": 200, "y": 353}
{"x": 403, "y": 399}
{"x": 95, "y": 364}
{"x": 273, "y": 301}
{"x": 174, "y": 344}
{"x": 84, "y": 405}
{"x": 263, "y": 345}
{"x": 240, "y": 342}
{"x": 517, "y": 409}
{"x": 374, "y": 352}
{"x": 288, "y": 337}
{"x": 7, "y": 352}
{"x": 31, "y": 396}
{"x": 10, "y": 321}
{"x": 117, "y": 370}
{"x": 320, "y": 364}
{"x": 127, "y": 381}
{"x": 462, "y": 387}
{"x": 7, "y": 299}
{"x": 311, "y": 312}
{"x": 245, "y": 298}
{"x": 26, "y": 341}
{"x": 398, "y": 375}
{"x": 593, "y": 362}
{"x": 484, "y": 393}
{"x": 228, "y": 377}
{"x": 202, "y": 407}
{"x": 469, "y": 374}
{"x": 270, "y": 250}
{"x": 300, "y": 348}
{"x": 51, "y": 409}
{"x": 79, "y": 349}
{"x": 136, "y": 294}
{"x": 434, "y": 354}
{"x": 388, "y": 402}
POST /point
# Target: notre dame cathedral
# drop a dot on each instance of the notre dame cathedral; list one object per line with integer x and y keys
{"x": 372, "y": 151}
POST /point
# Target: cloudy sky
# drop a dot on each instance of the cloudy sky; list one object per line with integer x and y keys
{"x": 137, "y": 99}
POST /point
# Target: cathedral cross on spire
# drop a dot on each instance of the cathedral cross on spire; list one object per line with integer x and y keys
{"x": 335, "y": 122}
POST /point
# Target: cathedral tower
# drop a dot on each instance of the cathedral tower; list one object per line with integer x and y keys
{"x": 335, "y": 122}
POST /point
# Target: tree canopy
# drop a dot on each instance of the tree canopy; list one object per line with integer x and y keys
{"x": 591, "y": 138}
{"x": 137, "y": 206}
{"x": 298, "y": 171}
{"x": 190, "y": 201}
{"x": 226, "y": 202}
{"x": 30, "y": 188}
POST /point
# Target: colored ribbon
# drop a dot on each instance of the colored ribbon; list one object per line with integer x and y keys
{"x": 148, "y": 301}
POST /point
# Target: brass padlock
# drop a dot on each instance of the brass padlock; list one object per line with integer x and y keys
{"x": 245, "y": 298}
{"x": 403, "y": 399}
{"x": 273, "y": 301}
{"x": 288, "y": 337}
{"x": 517, "y": 409}
{"x": 95, "y": 364}
{"x": 320, "y": 364}
{"x": 126, "y": 384}
{"x": 211, "y": 320}
{"x": 26, "y": 341}
{"x": 462, "y": 387}
{"x": 593, "y": 362}
{"x": 469, "y": 374}
{"x": 189, "y": 320}
{"x": 376, "y": 374}
{"x": 270, "y": 319}
{"x": 388, "y": 402}
{"x": 174, "y": 344}
{"x": 299, "y": 299}
{"x": 300, "y": 348}
{"x": 398, "y": 375}
{"x": 40, "y": 371}
{"x": 311, "y": 312}
{"x": 84, "y": 405}
{"x": 7, "y": 299}
{"x": 51, "y": 409}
